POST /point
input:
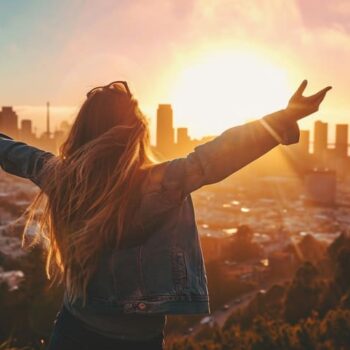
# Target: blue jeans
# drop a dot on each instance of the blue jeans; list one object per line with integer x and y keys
{"x": 69, "y": 333}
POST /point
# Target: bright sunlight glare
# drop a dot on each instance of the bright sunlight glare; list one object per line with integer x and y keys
{"x": 226, "y": 89}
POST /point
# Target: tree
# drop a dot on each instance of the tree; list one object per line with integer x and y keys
{"x": 241, "y": 247}
{"x": 343, "y": 240}
{"x": 303, "y": 294}
{"x": 342, "y": 268}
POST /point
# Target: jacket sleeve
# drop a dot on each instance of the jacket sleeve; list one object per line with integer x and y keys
{"x": 236, "y": 147}
{"x": 18, "y": 158}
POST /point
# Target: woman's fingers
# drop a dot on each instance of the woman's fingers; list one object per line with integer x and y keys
{"x": 321, "y": 98}
{"x": 320, "y": 94}
{"x": 303, "y": 105}
{"x": 301, "y": 88}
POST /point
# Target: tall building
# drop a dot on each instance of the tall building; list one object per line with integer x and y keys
{"x": 320, "y": 139}
{"x": 46, "y": 140}
{"x": 48, "y": 119}
{"x": 304, "y": 141}
{"x": 341, "y": 140}
{"x": 26, "y": 130}
{"x": 183, "y": 144}
{"x": 9, "y": 122}
{"x": 165, "y": 130}
{"x": 26, "y": 126}
{"x": 182, "y": 136}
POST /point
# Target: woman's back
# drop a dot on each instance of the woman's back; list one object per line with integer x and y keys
{"x": 132, "y": 255}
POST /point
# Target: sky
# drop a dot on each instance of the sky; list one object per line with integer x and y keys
{"x": 219, "y": 62}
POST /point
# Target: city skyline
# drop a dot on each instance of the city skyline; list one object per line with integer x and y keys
{"x": 168, "y": 136}
{"x": 67, "y": 114}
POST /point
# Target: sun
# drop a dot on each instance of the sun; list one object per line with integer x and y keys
{"x": 225, "y": 89}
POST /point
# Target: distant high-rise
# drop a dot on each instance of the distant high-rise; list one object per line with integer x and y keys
{"x": 341, "y": 140}
{"x": 9, "y": 122}
{"x": 304, "y": 141}
{"x": 182, "y": 136}
{"x": 26, "y": 126}
{"x": 320, "y": 138}
{"x": 26, "y": 129}
{"x": 48, "y": 119}
{"x": 183, "y": 142}
{"x": 165, "y": 130}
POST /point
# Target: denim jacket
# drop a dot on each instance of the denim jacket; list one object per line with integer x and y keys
{"x": 161, "y": 269}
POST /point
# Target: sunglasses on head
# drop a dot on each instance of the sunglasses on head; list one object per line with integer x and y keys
{"x": 114, "y": 85}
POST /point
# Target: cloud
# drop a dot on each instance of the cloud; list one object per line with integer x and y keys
{"x": 324, "y": 13}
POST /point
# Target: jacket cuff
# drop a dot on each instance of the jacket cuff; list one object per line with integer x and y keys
{"x": 282, "y": 127}
{"x": 5, "y": 136}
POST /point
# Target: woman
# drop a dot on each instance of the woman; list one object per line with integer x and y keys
{"x": 119, "y": 228}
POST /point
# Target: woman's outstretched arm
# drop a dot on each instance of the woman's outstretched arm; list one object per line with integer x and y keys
{"x": 18, "y": 158}
{"x": 238, "y": 146}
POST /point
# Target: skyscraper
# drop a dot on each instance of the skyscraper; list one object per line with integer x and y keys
{"x": 26, "y": 130}
{"x": 341, "y": 140}
{"x": 182, "y": 136}
{"x": 183, "y": 141}
{"x": 304, "y": 141}
{"x": 320, "y": 139}
{"x": 165, "y": 130}
{"x": 48, "y": 119}
{"x": 9, "y": 122}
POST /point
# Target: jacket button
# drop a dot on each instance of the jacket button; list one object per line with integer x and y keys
{"x": 142, "y": 306}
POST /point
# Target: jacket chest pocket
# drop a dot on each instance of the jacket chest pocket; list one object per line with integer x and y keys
{"x": 180, "y": 275}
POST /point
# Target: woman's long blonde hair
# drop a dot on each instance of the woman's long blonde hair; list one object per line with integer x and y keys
{"x": 89, "y": 190}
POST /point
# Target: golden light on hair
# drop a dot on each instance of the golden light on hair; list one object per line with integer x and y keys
{"x": 84, "y": 206}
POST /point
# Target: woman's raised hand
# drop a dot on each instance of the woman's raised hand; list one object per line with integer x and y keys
{"x": 300, "y": 106}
